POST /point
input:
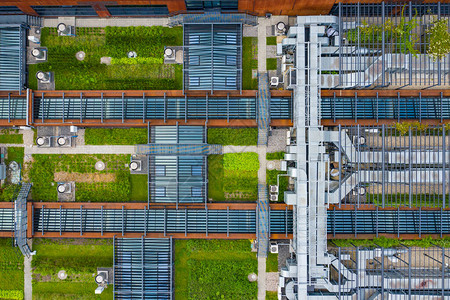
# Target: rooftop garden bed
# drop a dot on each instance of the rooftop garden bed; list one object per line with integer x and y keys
{"x": 11, "y": 271}
{"x": 79, "y": 258}
{"x": 233, "y": 177}
{"x": 112, "y": 184}
{"x": 146, "y": 72}
{"x": 214, "y": 269}
{"x": 249, "y": 62}
{"x": 115, "y": 136}
{"x": 233, "y": 136}
{"x": 8, "y": 190}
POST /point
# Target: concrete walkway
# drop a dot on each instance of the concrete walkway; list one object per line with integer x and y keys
{"x": 262, "y": 32}
{"x": 28, "y": 286}
{"x": 239, "y": 149}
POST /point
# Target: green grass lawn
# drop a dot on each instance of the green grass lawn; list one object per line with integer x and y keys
{"x": 271, "y": 40}
{"x": 233, "y": 177}
{"x": 15, "y": 154}
{"x": 139, "y": 189}
{"x": 425, "y": 242}
{"x": 97, "y": 190}
{"x": 79, "y": 258}
{"x": 272, "y": 262}
{"x": 8, "y": 136}
{"x": 271, "y": 63}
{"x": 214, "y": 269}
{"x": 249, "y": 62}
{"x": 394, "y": 200}
{"x": 233, "y": 136}
{"x": 271, "y": 178}
{"x": 115, "y": 136}
{"x": 148, "y": 71}
{"x": 271, "y": 295}
{"x": 11, "y": 267}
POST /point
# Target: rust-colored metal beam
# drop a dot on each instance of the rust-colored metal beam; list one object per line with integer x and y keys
{"x": 366, "y": 236}
{"x": 128, "y": 205}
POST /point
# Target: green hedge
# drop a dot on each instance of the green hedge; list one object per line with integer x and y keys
{"x": 271, "y": 63}
{"x": 10, "y": 137}
{"x": 275, "y": 155}
{"x": 11, "y": 267}
{"x": 249, "y": 62}
{"x": 115, "y": 136}
{"x": 11, "y": 294}
{"x": 233, "y": 136}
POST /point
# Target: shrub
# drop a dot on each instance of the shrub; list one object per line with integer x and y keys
{"x": 439, "y": 45}
{"x": 275, "y": 155}
{"x": 271, "y": 40}
{"x": 11, "y": 294}
{"x": 271, "y": 63}
{"x": 137, "y": 61}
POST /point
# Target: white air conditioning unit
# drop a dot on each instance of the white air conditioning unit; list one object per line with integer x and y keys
{"x": 273, "y": 247}
{"x": 169, "y": 54}
{"x": 43, "y": 141}
{"x": 273, "y": 189}
{"x": 64, "y": 188}
{"x": 273, "y": 197}
{"x": 274, "y": 81}
{"x": 136, "y": 165}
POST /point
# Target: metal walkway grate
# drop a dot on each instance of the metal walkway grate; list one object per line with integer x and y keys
{"x": 20, "y": 219}
{"x": 263, "y": 221}
{"x": 178, "y": 149}
{"x": 263, "y": 108}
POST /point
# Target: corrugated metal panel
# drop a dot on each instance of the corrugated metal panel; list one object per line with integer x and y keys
{"x": 12, "y": 57}
{"x": 143, "y": 268}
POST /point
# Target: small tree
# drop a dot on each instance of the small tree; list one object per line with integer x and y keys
{"x": 439, "y": 45}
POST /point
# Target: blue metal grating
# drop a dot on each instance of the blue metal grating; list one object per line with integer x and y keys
{"x": 143, "y": 269}
{"x": 12, "y": 58}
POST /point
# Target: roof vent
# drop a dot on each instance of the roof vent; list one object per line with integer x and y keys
{"x": 43, "y": 77}
{"x": 136, "y": 165}
{"x": 169, "y": 53}
{"x": 281, "y": 27}
{"x": 42, "y": 141}
{"x": 65, "y": 30}
{"x": 64, "y": 188}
